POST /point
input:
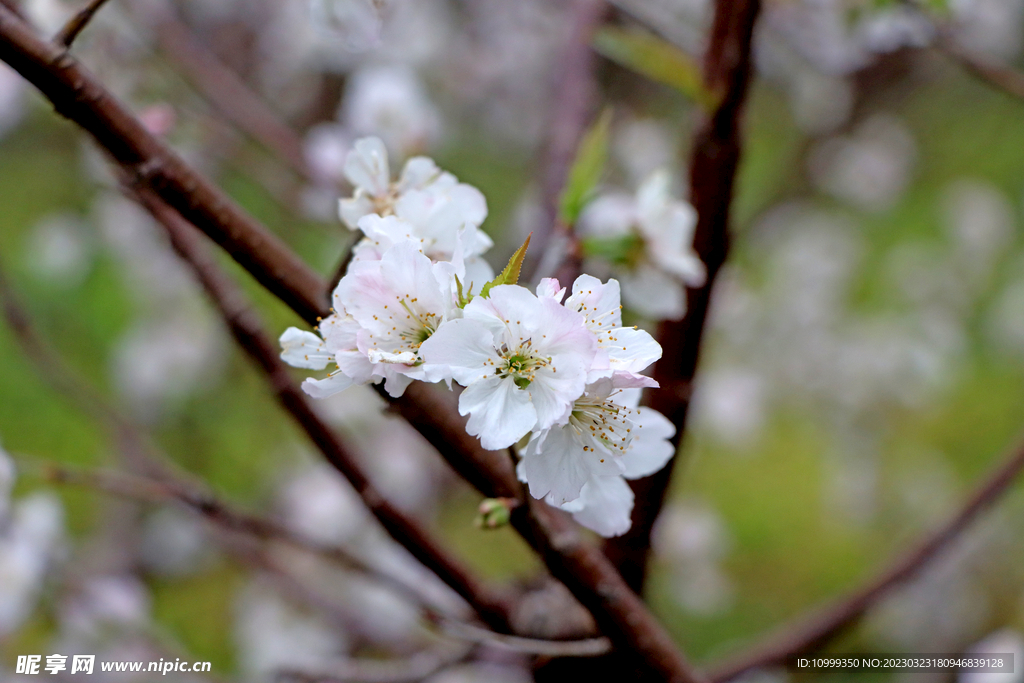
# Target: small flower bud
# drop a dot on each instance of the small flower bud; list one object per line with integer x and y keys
{"x": 494, "y": 513}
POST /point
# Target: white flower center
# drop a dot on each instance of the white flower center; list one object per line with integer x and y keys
{"x": 520, "y": 363}
{"x": 601, "y": 422}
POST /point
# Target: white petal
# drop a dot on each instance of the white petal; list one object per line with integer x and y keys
{"x": 329, "y": 386}
{"x": 352, "y": 209}
{"x": 366, "y": 166}
{"x": 417, "y": 174}
{"x": 302, "y": 349}
{"x": 465, "y": 346}
{"x": 396, "y": 383}
{"x": 604, "y": 506}
{"x": 630, "y": 350}
{"x": 650, "y": 448}
{"x": 500, "y": 412}
{"x": 554, "y": 464}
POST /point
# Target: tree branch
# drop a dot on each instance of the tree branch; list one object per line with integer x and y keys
{"x": 810, "y": 633}
{"x": 713, "y": 163}
{"x": 159, "y": 174}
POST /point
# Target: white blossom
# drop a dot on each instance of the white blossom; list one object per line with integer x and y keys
{"x": 390, "y": 101}
{"x": 636, "y": 439}
{"x": 433, "y": 205}
{"x": 385, "y": 310}
{"x": 652, "y": 235}
{"x": 523, "y": 360}
{"x": 620, "y": 349}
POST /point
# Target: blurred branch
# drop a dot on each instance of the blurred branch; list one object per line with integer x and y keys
{"x": 50, "y": 366}
{"x": 77, "y": 23}
{"x": 997, "y": 75}
{"x": 713, "y": 163}
{"x": 556, "y": 251}
{"x": 184, "y": 194}
{"x": 419, "y": 667}
{"x": 810, "y": 633}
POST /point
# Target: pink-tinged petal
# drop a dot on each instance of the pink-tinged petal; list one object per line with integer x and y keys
{"x": 329, "y": 386}
{"x": 366, "y": 166}
{"x": 466, "y": 346}
{"x": 499, "y": 412}
{"x": 650, "y": 448}
{"x": 302, "y": 349}
{"x": 605, "y": 505}
{"x": 550, "y": 288}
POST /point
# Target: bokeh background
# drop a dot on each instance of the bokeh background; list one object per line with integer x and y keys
{"x": 864, "y": 364}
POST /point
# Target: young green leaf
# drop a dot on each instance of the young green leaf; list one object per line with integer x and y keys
{"x": 654, "y": 58}
{"x": 586, "y": 170}
{"x": 510, "y": 275}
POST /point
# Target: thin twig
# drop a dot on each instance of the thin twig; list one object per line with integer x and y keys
{"x": 225, "y": 89}
{"x": 77, "y": 23}
{"x": 809, "y": 634}
{"x": 574, "y": 103}
{"x": 713, "y": 163}
{"x": 419, "y": 667}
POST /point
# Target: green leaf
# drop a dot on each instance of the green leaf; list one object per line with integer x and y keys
{"x": 586, "y": 170}
{"x": 626, "y": 250}
{"x": 510, "y": 275}
{"x": 654, "y": 58}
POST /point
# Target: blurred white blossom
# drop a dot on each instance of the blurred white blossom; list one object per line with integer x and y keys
{"x": 869, "y": 168}
{"x": 272, "y": 635}
{"x": 29, "y": 545}
{"x": 391, "y": 103}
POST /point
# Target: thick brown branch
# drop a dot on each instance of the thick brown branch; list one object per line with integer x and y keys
{"x": 621, "y": 615}
{"x": 715, "y": 156}
{"x": 813, "y": 632}
{"x": 77, "y": 95}
{"x": 77, "y": 23}
{"x": 248, "y": 332}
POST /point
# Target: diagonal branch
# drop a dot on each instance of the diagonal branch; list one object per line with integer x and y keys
{"x": 160, "y": 174}
{"x": 810, "y": 633}
{"x": 713, "y": 163}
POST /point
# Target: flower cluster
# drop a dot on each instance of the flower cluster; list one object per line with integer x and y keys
{"x": 559, "y": 376}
